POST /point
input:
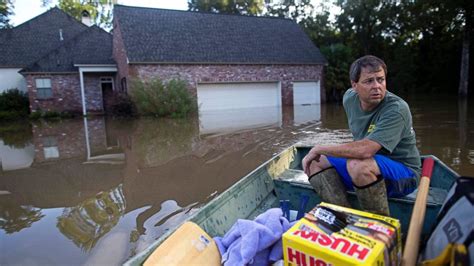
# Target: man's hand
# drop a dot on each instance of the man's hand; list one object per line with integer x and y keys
{"x": 313, "y": 155}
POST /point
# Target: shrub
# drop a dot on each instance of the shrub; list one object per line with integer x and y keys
{"x": 14, "y": 104}
{"x": 10, "y": 115}
{"x": 35, "y": 115}
{"x": 123, "y": 106}
{"x": 159, "y": 99}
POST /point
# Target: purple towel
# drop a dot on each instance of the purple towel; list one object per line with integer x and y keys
{"x": 255, "y": 242}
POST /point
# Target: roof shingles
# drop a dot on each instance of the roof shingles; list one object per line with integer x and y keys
{"x": 171, "y": 36}
{"x": 29, "y": 41}
{"x": 92, "y": 46}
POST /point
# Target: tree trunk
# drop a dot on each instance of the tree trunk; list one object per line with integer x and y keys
{"x": 464, "y": 76}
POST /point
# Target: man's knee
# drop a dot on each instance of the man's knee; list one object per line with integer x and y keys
{"x": 316, "y": 167}
{"x": 362, "y": 172}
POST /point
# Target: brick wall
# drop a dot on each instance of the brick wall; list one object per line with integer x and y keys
{"x": 195, "y": 74}
{"x": 66, "y": 90}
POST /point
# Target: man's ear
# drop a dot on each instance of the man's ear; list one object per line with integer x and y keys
{"x": 354, "y": 85}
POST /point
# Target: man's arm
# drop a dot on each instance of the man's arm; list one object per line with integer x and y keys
{"x": 361, "y": 149}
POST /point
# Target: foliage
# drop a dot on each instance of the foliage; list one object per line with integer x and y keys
{"x": 99, "y": 10}
{"x": 422, "y": 53}
{"x": 159, "y": 99}
{"x": 6, "y": 7}
{"x": 336, "y": 76}
{"x": 14, "y": 104}
{"x": 123, "y": 106}
{"x": 292, "y": 9}
{"x": 238, "y": 7}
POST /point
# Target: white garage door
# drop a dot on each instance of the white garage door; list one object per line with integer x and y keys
{"x": 237, "y": 95}
{"x": 306, "y": 93}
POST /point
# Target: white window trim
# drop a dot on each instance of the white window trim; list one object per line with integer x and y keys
{"x": 107, "y": 79}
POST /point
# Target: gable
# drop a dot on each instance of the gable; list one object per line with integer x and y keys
{"x": 92, "y": 46}
{"x": 170, "y": 36}
{"x": 28, "y": 42}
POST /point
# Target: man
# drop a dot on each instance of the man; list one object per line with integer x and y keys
{"x": 384, "y": 146}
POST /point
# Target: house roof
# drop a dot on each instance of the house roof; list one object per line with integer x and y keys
{"x": 26, "y": 43}
{"x": 92, "y": 46}
{"x": 170, "y": 36}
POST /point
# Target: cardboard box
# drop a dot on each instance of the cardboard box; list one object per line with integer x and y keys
{"x": 334, "y": 235}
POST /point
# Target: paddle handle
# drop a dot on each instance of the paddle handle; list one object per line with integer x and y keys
{"x": 410, "y": 254}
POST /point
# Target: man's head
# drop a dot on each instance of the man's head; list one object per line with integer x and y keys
{"x": 367, "y": 76}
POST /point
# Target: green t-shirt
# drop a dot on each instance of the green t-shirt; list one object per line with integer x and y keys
{"x": 389, "y": 124}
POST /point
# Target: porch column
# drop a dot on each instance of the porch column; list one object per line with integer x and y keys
{"x": 83, "y": 95}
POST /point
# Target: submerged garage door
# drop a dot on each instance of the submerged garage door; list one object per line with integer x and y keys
{"x": 237, "y": 95}
{"x": 305, "y": 93}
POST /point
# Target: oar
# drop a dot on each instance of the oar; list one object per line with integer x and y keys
{"x": 410, "y": 254}
{"x": 188, "y": 245}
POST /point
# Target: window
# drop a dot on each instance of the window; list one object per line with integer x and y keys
{"x": 124, "y": 85}
{"x": 106, "y": 80}
{"x": 43, "y": 88}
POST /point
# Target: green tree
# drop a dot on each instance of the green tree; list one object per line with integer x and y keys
{"x": 238, "y": 7}
{"x": 6, "y": 10}
{"x": 296, "y": 10}
{"x": 100, "y": 10}
{"x": 442, "y": 30}
{"x": 339, "y": 58}
{"x": 364, "y": 24}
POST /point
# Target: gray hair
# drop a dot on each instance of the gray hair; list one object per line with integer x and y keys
{"x": 371, "y": 62}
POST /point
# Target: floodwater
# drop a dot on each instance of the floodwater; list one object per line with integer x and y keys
{"x": 97, "y": 191}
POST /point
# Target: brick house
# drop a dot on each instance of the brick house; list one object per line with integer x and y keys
{"x": 63, "y": 64}
{"x": 76, "y": 77}
{"x": 24, "y": 44}
{"x": 227, "y": 61}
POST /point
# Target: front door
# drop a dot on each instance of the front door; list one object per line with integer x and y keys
{"x": 107, "y": 96}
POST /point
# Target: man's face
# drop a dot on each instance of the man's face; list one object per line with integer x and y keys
{"x": 371, "y": 88}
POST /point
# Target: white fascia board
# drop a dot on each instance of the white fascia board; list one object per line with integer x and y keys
{"x": 96, "y": 68}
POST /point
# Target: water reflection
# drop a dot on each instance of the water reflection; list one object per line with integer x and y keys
{"x": 93, "y": 182}
{"x": 445, "y": 128}
{"x": 14, "y": 218}
{"x": 16, "y": 150}
{"x": 86, "y": 223}
{"x": 96, "y": 191}
{"x": 223, "y": 121}
{"x": 15, "y": 158}
{"x": 306, "y": 113}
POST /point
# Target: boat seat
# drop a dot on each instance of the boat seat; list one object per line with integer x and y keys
{"x": 296, "y": 177}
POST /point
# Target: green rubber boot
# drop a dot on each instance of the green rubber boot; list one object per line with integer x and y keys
{"x": 373, "y": 197}
{"x": 329, "y": 186}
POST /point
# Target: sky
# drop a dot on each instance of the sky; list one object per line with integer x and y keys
{"x": 27, "y": 9}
